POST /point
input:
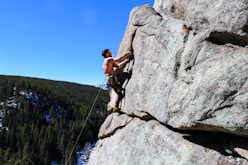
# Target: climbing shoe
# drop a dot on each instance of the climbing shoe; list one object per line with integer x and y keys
{"x": 116, "y": 109}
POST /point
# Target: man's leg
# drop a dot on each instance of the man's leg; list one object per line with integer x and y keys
{"x": 122, "y": 77}
{"x": 119, "y": 96}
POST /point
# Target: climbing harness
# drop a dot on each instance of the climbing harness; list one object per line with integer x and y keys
{"x": 112, "y": 80}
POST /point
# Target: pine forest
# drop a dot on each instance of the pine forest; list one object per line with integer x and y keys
{"x": 40, "y": 120}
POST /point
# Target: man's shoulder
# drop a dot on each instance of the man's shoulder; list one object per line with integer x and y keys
{"x": 109, "y": 58}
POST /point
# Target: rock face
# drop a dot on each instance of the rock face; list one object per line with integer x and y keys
{"x": 187, "y": 99}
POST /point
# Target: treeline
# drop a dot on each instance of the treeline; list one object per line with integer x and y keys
{"x": 44, "y": 127}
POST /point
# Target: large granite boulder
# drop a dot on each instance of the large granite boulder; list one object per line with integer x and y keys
{"x": 187, "y": 99}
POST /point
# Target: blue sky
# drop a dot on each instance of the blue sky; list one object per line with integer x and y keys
{"x": 61, "y": 39}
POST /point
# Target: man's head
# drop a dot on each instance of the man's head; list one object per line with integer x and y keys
{"x": 106, "y": 53}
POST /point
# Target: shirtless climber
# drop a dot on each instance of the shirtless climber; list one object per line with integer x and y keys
{"x": 115, "y": 79}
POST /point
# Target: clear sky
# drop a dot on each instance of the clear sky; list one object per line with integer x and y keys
{"x": 61, "y": 39}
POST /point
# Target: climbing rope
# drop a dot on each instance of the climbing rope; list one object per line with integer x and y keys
{"x": 73, "y": 148}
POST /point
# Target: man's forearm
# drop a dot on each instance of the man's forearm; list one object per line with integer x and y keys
{"x": 123, "y": 63}
{"x": 123, "y": 57}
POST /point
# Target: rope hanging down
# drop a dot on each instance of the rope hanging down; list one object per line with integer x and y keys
{"x": 84, "y": 124}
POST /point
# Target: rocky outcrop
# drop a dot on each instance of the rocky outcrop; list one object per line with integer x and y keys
{"x": 187, "y": 99}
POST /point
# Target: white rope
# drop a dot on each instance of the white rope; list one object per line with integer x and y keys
{"x": 84, "y": 124}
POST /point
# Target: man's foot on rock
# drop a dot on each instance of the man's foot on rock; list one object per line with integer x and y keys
{"x": 116, "y": 109}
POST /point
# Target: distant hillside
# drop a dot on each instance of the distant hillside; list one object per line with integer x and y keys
{"x": 41, "y": 119}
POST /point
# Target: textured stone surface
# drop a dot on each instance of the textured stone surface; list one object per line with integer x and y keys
{"x": 141, "y": 142}
{"x": 112, "y": 123}
{"x": 189, "y": 74}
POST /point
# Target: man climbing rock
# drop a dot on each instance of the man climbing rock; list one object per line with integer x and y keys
{"x": 115, "y": 78}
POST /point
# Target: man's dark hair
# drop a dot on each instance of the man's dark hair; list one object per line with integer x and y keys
{"x": 104, "y": 52}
